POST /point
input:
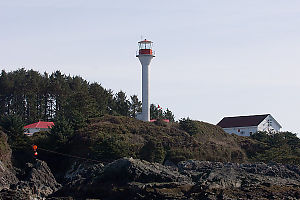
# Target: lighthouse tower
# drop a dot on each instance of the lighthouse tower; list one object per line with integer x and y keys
{"x": 145, "y": 55}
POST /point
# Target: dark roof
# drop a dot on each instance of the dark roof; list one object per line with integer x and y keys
{"x": 242, "y": 121}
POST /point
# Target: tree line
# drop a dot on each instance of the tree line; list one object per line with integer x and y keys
{"x": 34, "y": 96}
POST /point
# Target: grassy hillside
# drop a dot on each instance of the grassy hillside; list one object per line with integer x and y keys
{"x": 110, "y": 137}
{"x": 123, "y": 136}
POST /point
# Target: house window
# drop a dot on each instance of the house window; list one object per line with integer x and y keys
{"x": 269, "y": 122}
{"x": 239, "y": 130}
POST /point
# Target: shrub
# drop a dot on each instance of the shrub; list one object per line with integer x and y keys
{"x": 153, "y": 151}
{"x": 188, "y": 125}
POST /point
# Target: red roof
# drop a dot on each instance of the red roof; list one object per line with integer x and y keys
{"x": 40, "y": 124}
{"x": 165, "y": 120}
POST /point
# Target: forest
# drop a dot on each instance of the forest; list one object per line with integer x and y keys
{"x": 32, "y": 96}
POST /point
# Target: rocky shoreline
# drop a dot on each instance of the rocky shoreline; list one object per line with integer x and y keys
{"x": 129, "y": 178}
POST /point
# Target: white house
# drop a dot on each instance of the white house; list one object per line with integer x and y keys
{"x": 37, "y": 127}
{"x": 247, "y": 125}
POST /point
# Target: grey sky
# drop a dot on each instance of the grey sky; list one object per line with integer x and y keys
{"x": 214, "y": 58}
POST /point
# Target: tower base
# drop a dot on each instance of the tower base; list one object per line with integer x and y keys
{"x": 139, "y": 116}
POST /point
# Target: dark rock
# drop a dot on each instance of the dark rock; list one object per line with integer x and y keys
{"x": 7, "y": 174}
{"x": 61, "y": 198}
{"x": 7, "y": 177}
{"x": 114, "y": 180}
{"x": 9, "y": 194}
{"x": 226, "y": 175}
{"x": 171, "y": 190}
{"x": 83, "y": 171}
{"x": 129, "y": 178}
{"x": 128, "y": 170}
{"x": 38, "y": 181}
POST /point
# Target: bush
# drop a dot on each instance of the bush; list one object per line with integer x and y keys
{"x": 281, "y": 147}
{"x": 177, "y": 155}
{"x": 110, "y": 148}
{"x": 188, "y": 125}
{"x": 153, "y": 151}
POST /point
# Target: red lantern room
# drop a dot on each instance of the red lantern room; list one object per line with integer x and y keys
{"x": 145, "y": 48}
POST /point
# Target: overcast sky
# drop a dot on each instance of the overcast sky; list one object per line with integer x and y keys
{"x": 214, "y": 58}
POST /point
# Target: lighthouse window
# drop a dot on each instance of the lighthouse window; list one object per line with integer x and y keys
{"x": 145, "y": 45}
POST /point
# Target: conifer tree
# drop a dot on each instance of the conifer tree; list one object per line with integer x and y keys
{"x": 156, "y": 112}
{"x": 101, "y": 96}
{"x": 122, "y": 104}
{"x": 168, "y": 115}
{"x": 135, "y": 106}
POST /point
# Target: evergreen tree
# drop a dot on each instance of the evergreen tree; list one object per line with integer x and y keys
{"x": 135, "y": 106}
{"x": 122, "y": 104}
{"x": 12, "y": 125}
{"x": 6, "y": 87}
{"x": 156, "y": 112}
{"x": 59, "y": 92}
{"x": 101, "y": 96}
{"x": 44, "y": 98}
{"x": 168, "y": 115}
{"x": 18, "y": 100}
{"x": 61, "y": 131}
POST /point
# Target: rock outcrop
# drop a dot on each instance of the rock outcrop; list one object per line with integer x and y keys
{"x": 38, "y": 182}
{"x": 35, "y": 180}
{"x": 112, "y": 180}
{"x": 129, "y": 170}
{"x": 215, "y": 180}
{"x": 129, "y": 178}
{"x": 7, "y": 176}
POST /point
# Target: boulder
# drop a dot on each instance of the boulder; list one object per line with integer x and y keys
{"x": 83, "y": 171}
{"x": 129, "y": 169}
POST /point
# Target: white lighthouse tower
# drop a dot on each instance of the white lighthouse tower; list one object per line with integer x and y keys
{"x": 145, "y": 55}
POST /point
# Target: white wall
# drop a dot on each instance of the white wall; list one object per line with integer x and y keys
{"x": 269, "y": 124}
{"x": 31, "y": 131}
{"x": 242, "y": 131}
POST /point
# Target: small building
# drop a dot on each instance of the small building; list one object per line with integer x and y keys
{"x": 37, "y": 127}
{"x": 247, "y": 125}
